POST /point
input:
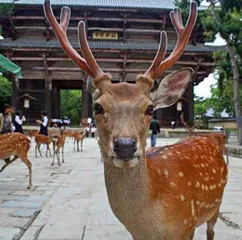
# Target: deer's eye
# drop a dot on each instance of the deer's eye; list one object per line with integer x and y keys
{"x": 149, "y": 110}
{"x": 98, "y": 109}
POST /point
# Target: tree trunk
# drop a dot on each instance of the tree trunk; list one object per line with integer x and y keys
{"x": 235, "y": 70}
{"x": 237, "y": 106}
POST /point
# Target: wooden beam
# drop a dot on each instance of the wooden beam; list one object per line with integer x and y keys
{"x": 98, "y": 19}
{"x": 58, "y": 49}
{"x": 118, "y": 60}
{"x": 128, "y": 30}
{"x": 113, "y": 70}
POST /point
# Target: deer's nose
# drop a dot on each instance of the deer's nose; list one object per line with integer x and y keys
{"x": 125, "y": 147}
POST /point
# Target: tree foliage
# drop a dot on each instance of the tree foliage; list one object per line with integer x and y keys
{"x": 71, "y": 105}
{"x": 5, "y": 91}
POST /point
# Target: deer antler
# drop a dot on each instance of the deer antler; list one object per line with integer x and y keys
{"x": 158, "y": 66}
{"x": 88, "y": 64}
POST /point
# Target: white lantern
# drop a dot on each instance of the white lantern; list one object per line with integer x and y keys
{"x": 26, "y": 103}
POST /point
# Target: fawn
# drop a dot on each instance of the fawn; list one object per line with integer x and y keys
{"x": 166, "y": 192}
{"x": 42, "y": 139}
{"x": 79, "y": 137}
{"x": 58, "y": 143}
{"x": 16, "y": 145}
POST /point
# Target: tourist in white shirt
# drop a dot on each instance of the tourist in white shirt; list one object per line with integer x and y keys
{"x": 18, "y": 122}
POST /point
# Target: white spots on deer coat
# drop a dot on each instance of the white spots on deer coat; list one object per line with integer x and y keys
{"x": 158, "y": 171}
{"x": 185, "y": 221}
{"x": 197, "y": 184}
{"x": 181, "y": 174}
{"x": 173, "y": 184}
{"x": 182, "y": 198}
{"x": 164, "y": 157}
{"x": 192, "y": 208}
{"x": 165, "y": 172}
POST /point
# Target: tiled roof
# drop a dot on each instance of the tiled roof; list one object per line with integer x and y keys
{"x": 117, "y": 45}
{"x": 143, "y": 4}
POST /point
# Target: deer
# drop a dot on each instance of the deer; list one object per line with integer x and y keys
{"x": 69, "y": 134}
{"x": 218, "y": 137}
{"x": 79, "y": 137}
{"x": 16, "y": 145}
{"x": 58, "y": 142}
{"x": 42, "y": 139}
{"x": 164, "y": 192}
{"x": 33, "y": 133}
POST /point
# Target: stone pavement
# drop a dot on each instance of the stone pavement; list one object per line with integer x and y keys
{"x": 69, "y": 201}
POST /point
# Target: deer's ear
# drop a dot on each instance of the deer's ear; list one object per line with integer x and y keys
{"x": 171, "y": 88}
{"x": 92, "y": 89}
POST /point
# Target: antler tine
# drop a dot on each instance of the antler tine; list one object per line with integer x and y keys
{"x": 60, "y": 31}
{"x": 65, "y": 18}
{"x": 86, "y": 52}
{"x": 159, "y": 55}
{"x": 183, "y": 37}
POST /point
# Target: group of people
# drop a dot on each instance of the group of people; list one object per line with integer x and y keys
{"x": 8, "y": 125}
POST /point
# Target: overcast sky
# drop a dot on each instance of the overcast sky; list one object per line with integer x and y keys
{"x": 203, "y": 89}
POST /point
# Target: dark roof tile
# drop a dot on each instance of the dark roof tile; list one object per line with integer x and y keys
{"x": 151, "y": 4}
{"x": 117, "y": 45}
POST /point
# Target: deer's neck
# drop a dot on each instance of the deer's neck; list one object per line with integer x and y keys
{"x": 127, "y": 189}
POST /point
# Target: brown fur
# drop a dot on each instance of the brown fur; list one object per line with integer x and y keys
{"x": 16, "y": 145}
{"x": 58, "y": 142}
{"x": 79, "y": 137}
{"x": 42, "y": 139}
{"x": 151, "y": 204}
{"x": 33, "y": 133}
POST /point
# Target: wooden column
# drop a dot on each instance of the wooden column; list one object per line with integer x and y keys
{"x": 86, "y": 102}
{"x": 56, "y": 101}
{"x": 15, "y": 88}
{"x": 190, "y": 114}
{"x": 48, "y": 95}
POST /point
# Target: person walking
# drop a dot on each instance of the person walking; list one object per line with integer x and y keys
{"x": 43, "y": 123}
{"x": 18, "y": 122}
{"x": 155, "y": 128}
{"x": 6, "y": 120}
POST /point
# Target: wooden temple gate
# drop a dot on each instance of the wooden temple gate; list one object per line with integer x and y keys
{"x": 124, "y": 40}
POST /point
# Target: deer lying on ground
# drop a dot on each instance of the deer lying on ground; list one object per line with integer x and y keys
{"x": 58, "y": 142}
{"x": 79, "y": 137}
{"x": 16, "y": 145}
{"x": 166, "y": 192}
{"x": 217, "y": 137}
{"x": 42, "y": 139}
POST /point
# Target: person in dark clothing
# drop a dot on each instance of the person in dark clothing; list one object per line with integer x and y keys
{"x": 18, "y": 121}
{"x": 155, "y": 128}
{"x": 6, "y": 120}
{"x": 43, "y": 123}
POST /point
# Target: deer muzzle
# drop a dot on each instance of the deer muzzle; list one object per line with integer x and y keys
{"x": 126, "y": 152}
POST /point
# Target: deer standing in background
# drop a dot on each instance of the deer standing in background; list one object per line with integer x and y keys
{"x": 166, "y": 192}
{"x": 58, "y": 142}
{"x": 16, "y": 145}
{"x": 42, "y": 139}
{"x": 79, "y": 137}
{"x": 33, "y": 133}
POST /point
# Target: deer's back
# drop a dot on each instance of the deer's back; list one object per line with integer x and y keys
{"x": 13, "y": 144}
{"x": 189, "y": 176}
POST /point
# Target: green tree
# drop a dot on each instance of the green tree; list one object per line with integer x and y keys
{"x": 71, "y": 105}
{"x": 5, "y": 91}
{"x": 223, "y": 17}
